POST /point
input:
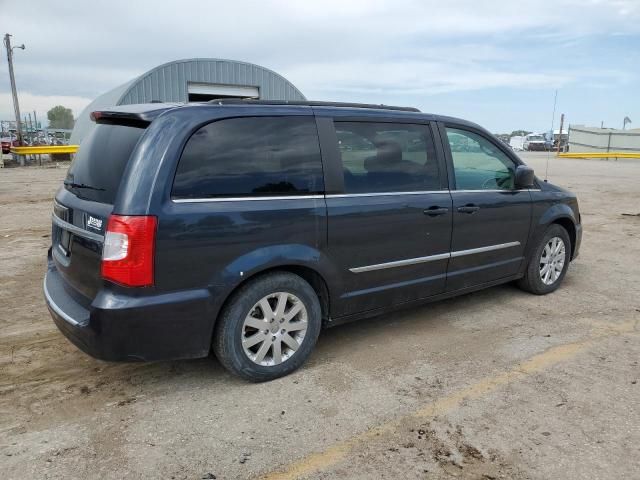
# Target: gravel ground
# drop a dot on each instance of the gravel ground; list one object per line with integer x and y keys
{"x": 496, "y": 384}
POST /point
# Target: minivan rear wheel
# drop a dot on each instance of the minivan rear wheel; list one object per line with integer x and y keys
{"x": 269, "y": 327}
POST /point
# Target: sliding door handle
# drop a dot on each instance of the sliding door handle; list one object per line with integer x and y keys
{"x": 470, "y": 208}
{"x": 435, "y": 211}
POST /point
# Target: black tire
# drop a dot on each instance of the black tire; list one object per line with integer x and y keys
{"x": 227, "y": 340}
{"x": 532, "y": 281}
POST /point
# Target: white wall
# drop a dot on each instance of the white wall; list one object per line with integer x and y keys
{"x": 590, "y": 139}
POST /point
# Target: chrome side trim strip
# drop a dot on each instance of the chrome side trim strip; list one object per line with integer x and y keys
{"x": 77, "y": 230}
{"x": 56, "y": 308}
{"x": 431, "y": 258}
{"x": 472, "y": 251}
{"x": 400, "y": 263}
{"x": 242, "y": 199}
{"x": 383, "y": 194}
{"x": 497, "y": 191}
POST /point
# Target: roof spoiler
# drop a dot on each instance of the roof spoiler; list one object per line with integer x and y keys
{"x": 138, "y": 116}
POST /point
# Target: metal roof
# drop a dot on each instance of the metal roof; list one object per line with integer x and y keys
{"x": 168, "y": 83}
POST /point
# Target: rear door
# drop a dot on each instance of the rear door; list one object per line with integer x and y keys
{"x": 491, "y": 219}
{"x": 83, "y": 204}
{"x": 247, "y": 195}
{"x": 389, "y": 212}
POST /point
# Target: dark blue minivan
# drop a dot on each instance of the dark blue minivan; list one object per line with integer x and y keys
{"x": 244, "y": 227}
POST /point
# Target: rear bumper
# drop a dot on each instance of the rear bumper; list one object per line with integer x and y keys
{"x": 124, "y": 328}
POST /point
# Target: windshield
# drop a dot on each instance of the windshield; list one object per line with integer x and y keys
{"x": 97, "y": 168}
{"x": 535, "y": 138}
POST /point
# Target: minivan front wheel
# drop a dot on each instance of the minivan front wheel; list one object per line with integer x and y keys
{"x": 269, "y": 327}
{"x": 549, "y": 262}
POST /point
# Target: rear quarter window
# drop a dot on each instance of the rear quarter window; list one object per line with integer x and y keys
{"x": 99, "y": 165}
{"x": 253, "y": 156}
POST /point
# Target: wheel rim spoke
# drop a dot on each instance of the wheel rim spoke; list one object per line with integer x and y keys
{"x": 253, "y": 339}
{"x": 256, "y": 323}
{"x": 282, "y": 304}
{"x": 262, "y": 351}
{"x": 290, "y": 341}
{"x": 266, "y": 308}
{"x": 296, "y": 326}
{"x": 293, "y": 311}
{"x": 277, "y": 352}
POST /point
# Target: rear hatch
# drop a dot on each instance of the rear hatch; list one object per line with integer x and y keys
{"x": 83, "y": 205}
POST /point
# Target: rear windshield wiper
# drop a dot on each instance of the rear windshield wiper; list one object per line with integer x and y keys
{"x": 82, "y": 185}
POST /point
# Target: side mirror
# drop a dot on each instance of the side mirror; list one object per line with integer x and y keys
{"x": 524, "y": 177}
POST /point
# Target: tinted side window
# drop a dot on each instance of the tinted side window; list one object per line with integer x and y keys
{"x": 478, "y": 164}
{"x": 100, "y": 162}
{"x": 251, "y": 156}
{"x": 387, "y": 157}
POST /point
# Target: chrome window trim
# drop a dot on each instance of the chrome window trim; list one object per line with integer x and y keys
{"x": 242, "y": 199}
{"x": 334, "y": 195}
{"x": 431, "y": 258}
{"x": 76, "y": 230}
{"x": 383, "y": 194}
{"x": 56, "y": 308}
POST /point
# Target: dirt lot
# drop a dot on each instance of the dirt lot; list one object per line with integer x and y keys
{"x": 497, "y": 384}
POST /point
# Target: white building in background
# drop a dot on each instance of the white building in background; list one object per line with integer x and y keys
{"x": 192, "y": 80}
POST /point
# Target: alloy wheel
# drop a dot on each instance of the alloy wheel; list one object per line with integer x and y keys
{"x": 274, "y": 329}
{"x": 552, "y": 260}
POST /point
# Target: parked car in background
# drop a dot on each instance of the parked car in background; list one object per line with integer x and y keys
{"x": 7, "y": 143}
{"x": 535, "y": 143}
{"x": 517, "y": 143}
{"x": 244, "y": 227}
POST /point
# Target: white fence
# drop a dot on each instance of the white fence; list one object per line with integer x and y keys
{"x": 588, "y": 139}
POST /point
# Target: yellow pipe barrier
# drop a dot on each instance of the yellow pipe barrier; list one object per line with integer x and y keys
{"x": 600, "y": 155}
{"x": 44, "y": 149}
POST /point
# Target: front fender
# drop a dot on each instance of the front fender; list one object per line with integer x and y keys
{"x": 547, "y": 213}
{"x": 555, "y": 212}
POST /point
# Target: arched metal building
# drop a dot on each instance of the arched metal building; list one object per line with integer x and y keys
{"x": 194, "y": 80}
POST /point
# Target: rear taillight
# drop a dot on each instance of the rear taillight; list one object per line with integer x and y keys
{"x": 128, "y": 252}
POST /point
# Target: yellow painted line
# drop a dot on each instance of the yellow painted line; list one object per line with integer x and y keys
{"x": 44, "y": 149}
{"x": 335, "y": 453}
{"x": 600, "y": 155}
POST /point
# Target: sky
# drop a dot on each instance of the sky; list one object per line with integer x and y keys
{"x": 497, "y": 63}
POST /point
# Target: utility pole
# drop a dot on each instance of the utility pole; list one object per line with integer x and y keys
{"x": 32, "y": 130}
{"x": 14, "y": 92}
{"x": 560, "y": 133}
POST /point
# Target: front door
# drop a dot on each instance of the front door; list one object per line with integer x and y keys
{"x": 491, "y": 219}
{"x": 389, "y": 228}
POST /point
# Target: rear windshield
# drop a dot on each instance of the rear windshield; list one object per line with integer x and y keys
{"x": 97, "y": 168}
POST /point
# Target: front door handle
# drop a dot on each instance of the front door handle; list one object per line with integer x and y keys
{"x": 435, "y": 211}
{"x": 470, "y": 208}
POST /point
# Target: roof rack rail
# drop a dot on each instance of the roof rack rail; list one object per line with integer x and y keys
{"x": 308, "y": 103}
